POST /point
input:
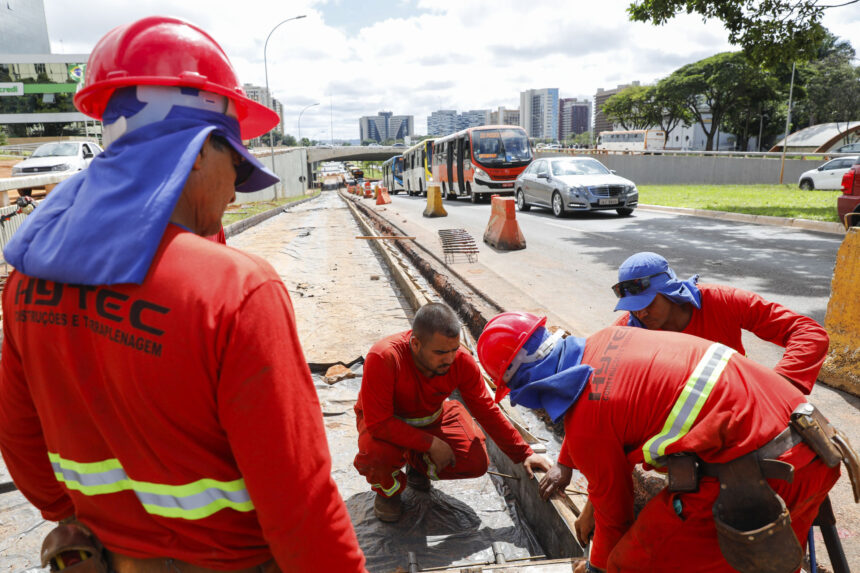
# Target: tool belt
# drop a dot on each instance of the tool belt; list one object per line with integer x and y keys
{"x": 73, "y": 548}
{"x": 753, "y": 524}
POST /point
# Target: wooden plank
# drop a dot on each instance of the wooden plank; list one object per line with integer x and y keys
{"x": 385, "y": 237}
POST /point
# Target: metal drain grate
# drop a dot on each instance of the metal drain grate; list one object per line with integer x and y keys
{"x": 458, "y": 242}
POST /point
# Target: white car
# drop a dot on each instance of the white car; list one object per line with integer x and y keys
{"x": 827, "y": 176}
{"x": 573, "y": 184}
{"x": 58, "y": 157}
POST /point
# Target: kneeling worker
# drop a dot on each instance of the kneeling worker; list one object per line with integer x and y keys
{"x": 403, "y": 414}
{"x": 749, "y": 460}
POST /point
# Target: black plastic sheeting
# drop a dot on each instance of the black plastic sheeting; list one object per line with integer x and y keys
{"x": 455, "y": 523}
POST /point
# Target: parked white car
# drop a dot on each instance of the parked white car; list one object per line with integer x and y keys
{"x": 58, "y": 157}
{"x": 827, "y": 176}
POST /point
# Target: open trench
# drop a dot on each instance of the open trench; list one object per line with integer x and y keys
{"x": 348, "y": 294}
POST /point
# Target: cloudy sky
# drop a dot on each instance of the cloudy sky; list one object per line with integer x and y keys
{"x": 412, "y": 57}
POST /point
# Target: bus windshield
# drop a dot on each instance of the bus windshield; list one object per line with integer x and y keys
{"x": 501, "y": 147}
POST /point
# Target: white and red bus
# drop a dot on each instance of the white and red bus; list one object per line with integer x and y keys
{"x": 417, "y": 167}
{"x": 480, "y": 161}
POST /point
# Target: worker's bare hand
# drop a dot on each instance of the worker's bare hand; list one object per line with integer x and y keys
{"x": 556, "y": 479}
{"x": 581, "y": 567}
{"x": 584, "y": 524}
{"x": 536, "y": 462}
{"x": 441, "y": 454}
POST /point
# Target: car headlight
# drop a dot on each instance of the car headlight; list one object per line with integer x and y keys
{"x": 17, "y": 170}
{"x": 481, "y": 173}
{"x": 575, "y": 190}
{"x": 61, "y": 167}
{"x": 632, "y": 190}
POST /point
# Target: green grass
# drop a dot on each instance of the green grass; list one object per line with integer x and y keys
{"x": 238, "y": 212}
{"x": 773, "y": 200}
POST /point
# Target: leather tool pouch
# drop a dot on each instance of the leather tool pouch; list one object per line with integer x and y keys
{"x": 753, "y": 523}
{"x": 72, "y": 547}
{"x": 683, "y": 472}
{"x": 830, "y": 444}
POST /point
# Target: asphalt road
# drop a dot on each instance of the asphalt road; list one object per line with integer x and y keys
{"x": 569, "y": 264}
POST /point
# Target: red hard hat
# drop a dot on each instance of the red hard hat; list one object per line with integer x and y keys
{"x": 502, "y": 338}
{"x": 160, "y": 51}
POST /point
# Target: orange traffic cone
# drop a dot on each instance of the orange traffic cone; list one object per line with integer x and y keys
{"x": 382, "y": 197}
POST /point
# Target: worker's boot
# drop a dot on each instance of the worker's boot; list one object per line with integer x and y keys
{"x": 387, "y": 509}
{"x": 417, "y": 480}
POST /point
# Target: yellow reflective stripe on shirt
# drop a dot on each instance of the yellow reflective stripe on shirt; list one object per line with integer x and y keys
{"x": 194, "y": 500}
{"x": 689, "y": 403}
{"x": 425, "y": 421}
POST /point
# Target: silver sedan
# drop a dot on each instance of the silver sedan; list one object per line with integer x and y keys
{"x": 568, "y": 184}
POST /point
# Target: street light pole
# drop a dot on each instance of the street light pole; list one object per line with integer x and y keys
{"x": 268, "y": 93}
{"x": 300, "y": 120}
{"x": 787, "y": 124}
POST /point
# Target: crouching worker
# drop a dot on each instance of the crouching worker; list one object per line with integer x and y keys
{"x": 749, "y": 461}
{"x": 404, "y": 416}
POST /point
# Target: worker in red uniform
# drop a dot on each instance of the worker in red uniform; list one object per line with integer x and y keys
{"x": 656, "y": 299}
{"x": 403, "y": 414}
{"x": 629, "y": 396}
{"x": 155, "y": 393}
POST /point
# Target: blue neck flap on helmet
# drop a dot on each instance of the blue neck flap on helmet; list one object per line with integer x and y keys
{"x": 104, "y": 225}
{"x": 554, "y": 382}
{"x": 677, "y": 291}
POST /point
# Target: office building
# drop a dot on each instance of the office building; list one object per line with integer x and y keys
{"x": 574, "y": 117}
{"x": 601, "y": 122}
{"x": 385, "y": 126}
{"x": 503, "y": 116}
{"x": 23, "y": 28}
{"x": 539, "y": 113}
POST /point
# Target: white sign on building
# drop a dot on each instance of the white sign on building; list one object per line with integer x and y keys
{"x": 11, "y": 89}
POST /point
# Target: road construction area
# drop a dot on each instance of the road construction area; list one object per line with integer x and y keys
{"x": 346, "y": 296}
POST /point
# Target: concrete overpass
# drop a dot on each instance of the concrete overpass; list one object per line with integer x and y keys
{"x": 352, "y": 153}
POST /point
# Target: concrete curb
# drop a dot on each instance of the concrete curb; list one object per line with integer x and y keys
{"x": 805, "y": 224}
{"x": 234, "y": 229}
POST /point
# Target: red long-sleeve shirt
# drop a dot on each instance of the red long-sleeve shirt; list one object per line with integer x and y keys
{"x": 637, "y": 379}
{"x": 393, "y": 389}
{"x": 726, "y": 311}
{"x": 179, "y": 414}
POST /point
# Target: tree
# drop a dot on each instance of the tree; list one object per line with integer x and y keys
{"x": 770, "y": 31}
{"x": 631, "y": 108}
{"x": 668, "y": 108}
{"x": 710, "y": 87}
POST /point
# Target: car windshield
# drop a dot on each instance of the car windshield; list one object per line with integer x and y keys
{"x": 56, "y": 150}
{"x": 501, "y": 147}
{"x": 578, "y": 167}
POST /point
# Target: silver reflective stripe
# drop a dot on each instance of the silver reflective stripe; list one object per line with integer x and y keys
{"x": 194, "y": 500}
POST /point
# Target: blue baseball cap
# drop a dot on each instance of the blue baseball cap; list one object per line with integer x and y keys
{"x": 652, "y": 266}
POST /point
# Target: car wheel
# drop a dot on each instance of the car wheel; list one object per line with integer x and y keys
{"x": 624, "y": 211}
{"x": 807, "y": 185}
{"x": 521, "y": 201}
{"x": 557, "y": 205}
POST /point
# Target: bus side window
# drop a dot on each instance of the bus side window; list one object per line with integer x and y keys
{"x": 467, "y": 154}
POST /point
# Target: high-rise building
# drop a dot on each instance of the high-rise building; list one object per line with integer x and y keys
{"x": 442, "y": 122}
{"x": 472, "y": 118}
{"x": 385, "y": 126}
{"x": 23, "y": 27}
{"x": 445, "y": 121}
{"x": 261, "y": 95}
{"x": 539, "y": 112}
{"x": 574, "y": 117}
{"x": 503, "y": 116}
{"x": 601, "y": 122}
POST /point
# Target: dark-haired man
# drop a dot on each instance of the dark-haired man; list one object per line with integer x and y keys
{"x": 403, "y": 413}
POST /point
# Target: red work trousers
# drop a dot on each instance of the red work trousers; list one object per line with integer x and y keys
{"x": 381, "y": 462}
{"x": 661, "y": 540}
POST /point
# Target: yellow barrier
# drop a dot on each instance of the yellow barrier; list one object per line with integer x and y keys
{"x": 434, "y": 202}
{"x": 842, "y": 367}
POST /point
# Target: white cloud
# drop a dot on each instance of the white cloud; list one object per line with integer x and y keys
{"x": 451, "y": 54}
